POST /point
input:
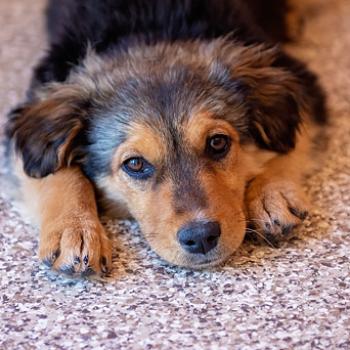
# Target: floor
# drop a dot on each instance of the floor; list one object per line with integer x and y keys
{"x": 293, "y": 297}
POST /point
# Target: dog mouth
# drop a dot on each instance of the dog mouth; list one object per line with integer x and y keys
{"x": 199, "y": 261}
{"x": 208, "y": 263}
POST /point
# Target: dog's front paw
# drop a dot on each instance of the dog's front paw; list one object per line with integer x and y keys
{"x": 274, "y": 208}
{"x": 76, "y": 245}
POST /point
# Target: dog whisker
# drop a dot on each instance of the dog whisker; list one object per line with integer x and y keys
{"x": 132, "y": 121}
{"x": 261, "y": 236}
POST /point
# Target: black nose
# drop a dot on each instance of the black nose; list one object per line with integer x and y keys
{"x": 199, "y": 237}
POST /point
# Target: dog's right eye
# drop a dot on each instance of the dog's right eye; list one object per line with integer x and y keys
{"x": 138, "y": 168}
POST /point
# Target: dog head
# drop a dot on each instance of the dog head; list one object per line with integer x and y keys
{"x": 164, "y": 130}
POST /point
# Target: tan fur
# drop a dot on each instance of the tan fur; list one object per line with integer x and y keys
{"x": 274, "y": 199}
{"x": 213, "y": 85}
{"x": 64, "y": 206}
{"x": 202, "y": 125}
{"x": 142, "y": 140}
{"x": 224, "y": 186}
{"x": 65, "y": 202}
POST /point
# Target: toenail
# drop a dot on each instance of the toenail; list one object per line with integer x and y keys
{"x": 67, "y": 269}
{"x": 287, "y": 230}
{"x": 88, "y": 272}
{"x": 56, "y": 254}
{"x": 104, "y": 268}
{"x": 86, "y": 259}
{"x": 48, "y": 262}
{"x": 51, "y": 259}
{"x": 300, "y": 214}
{"x": 277, "y": 222}
{"x": 304, "y": 214}
{"x": 271, "y": 239}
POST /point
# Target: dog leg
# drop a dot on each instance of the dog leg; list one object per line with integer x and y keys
{"x": 275, "y": 202}
{"x": 72, "y": 239}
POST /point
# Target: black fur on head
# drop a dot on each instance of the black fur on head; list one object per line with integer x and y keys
{"x": 156, "y": 61}
{"x": 85, "y": 118}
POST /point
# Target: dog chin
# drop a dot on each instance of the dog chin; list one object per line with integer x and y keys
{"x": 200, "y": 261}
{"x": 208, "y": 264}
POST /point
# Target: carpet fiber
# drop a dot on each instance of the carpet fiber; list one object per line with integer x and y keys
{"x": 293, "y": 297}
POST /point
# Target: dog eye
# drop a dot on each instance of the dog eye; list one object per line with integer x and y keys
{"x": 218, "y": 146}
{"x": 138, "y": 168}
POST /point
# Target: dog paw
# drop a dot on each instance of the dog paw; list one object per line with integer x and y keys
{"x": 77, "y": 245}
{"x": 274, "y": 209}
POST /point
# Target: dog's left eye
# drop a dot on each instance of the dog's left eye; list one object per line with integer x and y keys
{"x": 138, "y": 168}
{"x": 218, "y": 146}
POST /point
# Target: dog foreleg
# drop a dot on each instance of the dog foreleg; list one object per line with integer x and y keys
{"x": 275, "y": 202}
{"x": 72, "y": 239}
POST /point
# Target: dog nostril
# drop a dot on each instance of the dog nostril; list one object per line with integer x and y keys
{"x": 199, "y": 237}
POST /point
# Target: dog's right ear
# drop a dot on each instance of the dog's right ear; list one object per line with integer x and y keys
{"x": 47, "y": 132}
{"x": 271, "y": 91}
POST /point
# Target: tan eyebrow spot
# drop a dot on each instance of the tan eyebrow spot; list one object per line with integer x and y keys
{"x": 203, "y": 124}
{"x": 143, "y": 141}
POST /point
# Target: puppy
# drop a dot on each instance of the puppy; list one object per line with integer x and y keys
{"x": 183, "y": 114}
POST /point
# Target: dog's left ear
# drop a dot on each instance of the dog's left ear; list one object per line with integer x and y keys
{"x": 272, "y": 94}
{"x": 47, "y": 132}
{"x": 275, "y": 108}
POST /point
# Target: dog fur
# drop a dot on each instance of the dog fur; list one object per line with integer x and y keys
{"x": 157, "y": 79}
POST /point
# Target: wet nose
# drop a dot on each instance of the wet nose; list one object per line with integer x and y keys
{"x": 199, "y": 237}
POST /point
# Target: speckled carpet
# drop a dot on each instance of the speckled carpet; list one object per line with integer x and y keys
{"x": 294, "y": 297}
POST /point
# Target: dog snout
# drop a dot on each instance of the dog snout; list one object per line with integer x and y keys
{"x": 199, "y": 237}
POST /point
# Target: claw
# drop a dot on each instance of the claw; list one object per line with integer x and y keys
{"x": 271, "y": 239}
{"x": 49, "y": 261}
{"x": 287, "y": 230}
{"x": 104, "y": 267}
{"x": 277, "y": 222}
{"x": 301, "y": 214}
{"x": 67, "y": 269}
{"x": 88, "y": 272}
{"x": 86, "y": 259}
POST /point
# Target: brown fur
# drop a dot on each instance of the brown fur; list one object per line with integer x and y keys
{"x": 69, "y": 221}
{"x": 72, "y": 239}
{"x": 274, "y": 199}
{"x": 163, "y": 103}
{"x": 224, "y": 184}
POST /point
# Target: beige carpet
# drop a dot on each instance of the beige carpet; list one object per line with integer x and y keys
{"x": 294, "y": 297}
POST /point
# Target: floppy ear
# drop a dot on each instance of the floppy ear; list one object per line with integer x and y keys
{"x": 46, "y": 133}
{"x": 272, "y": 94}
{"x": 275, "y": 108}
